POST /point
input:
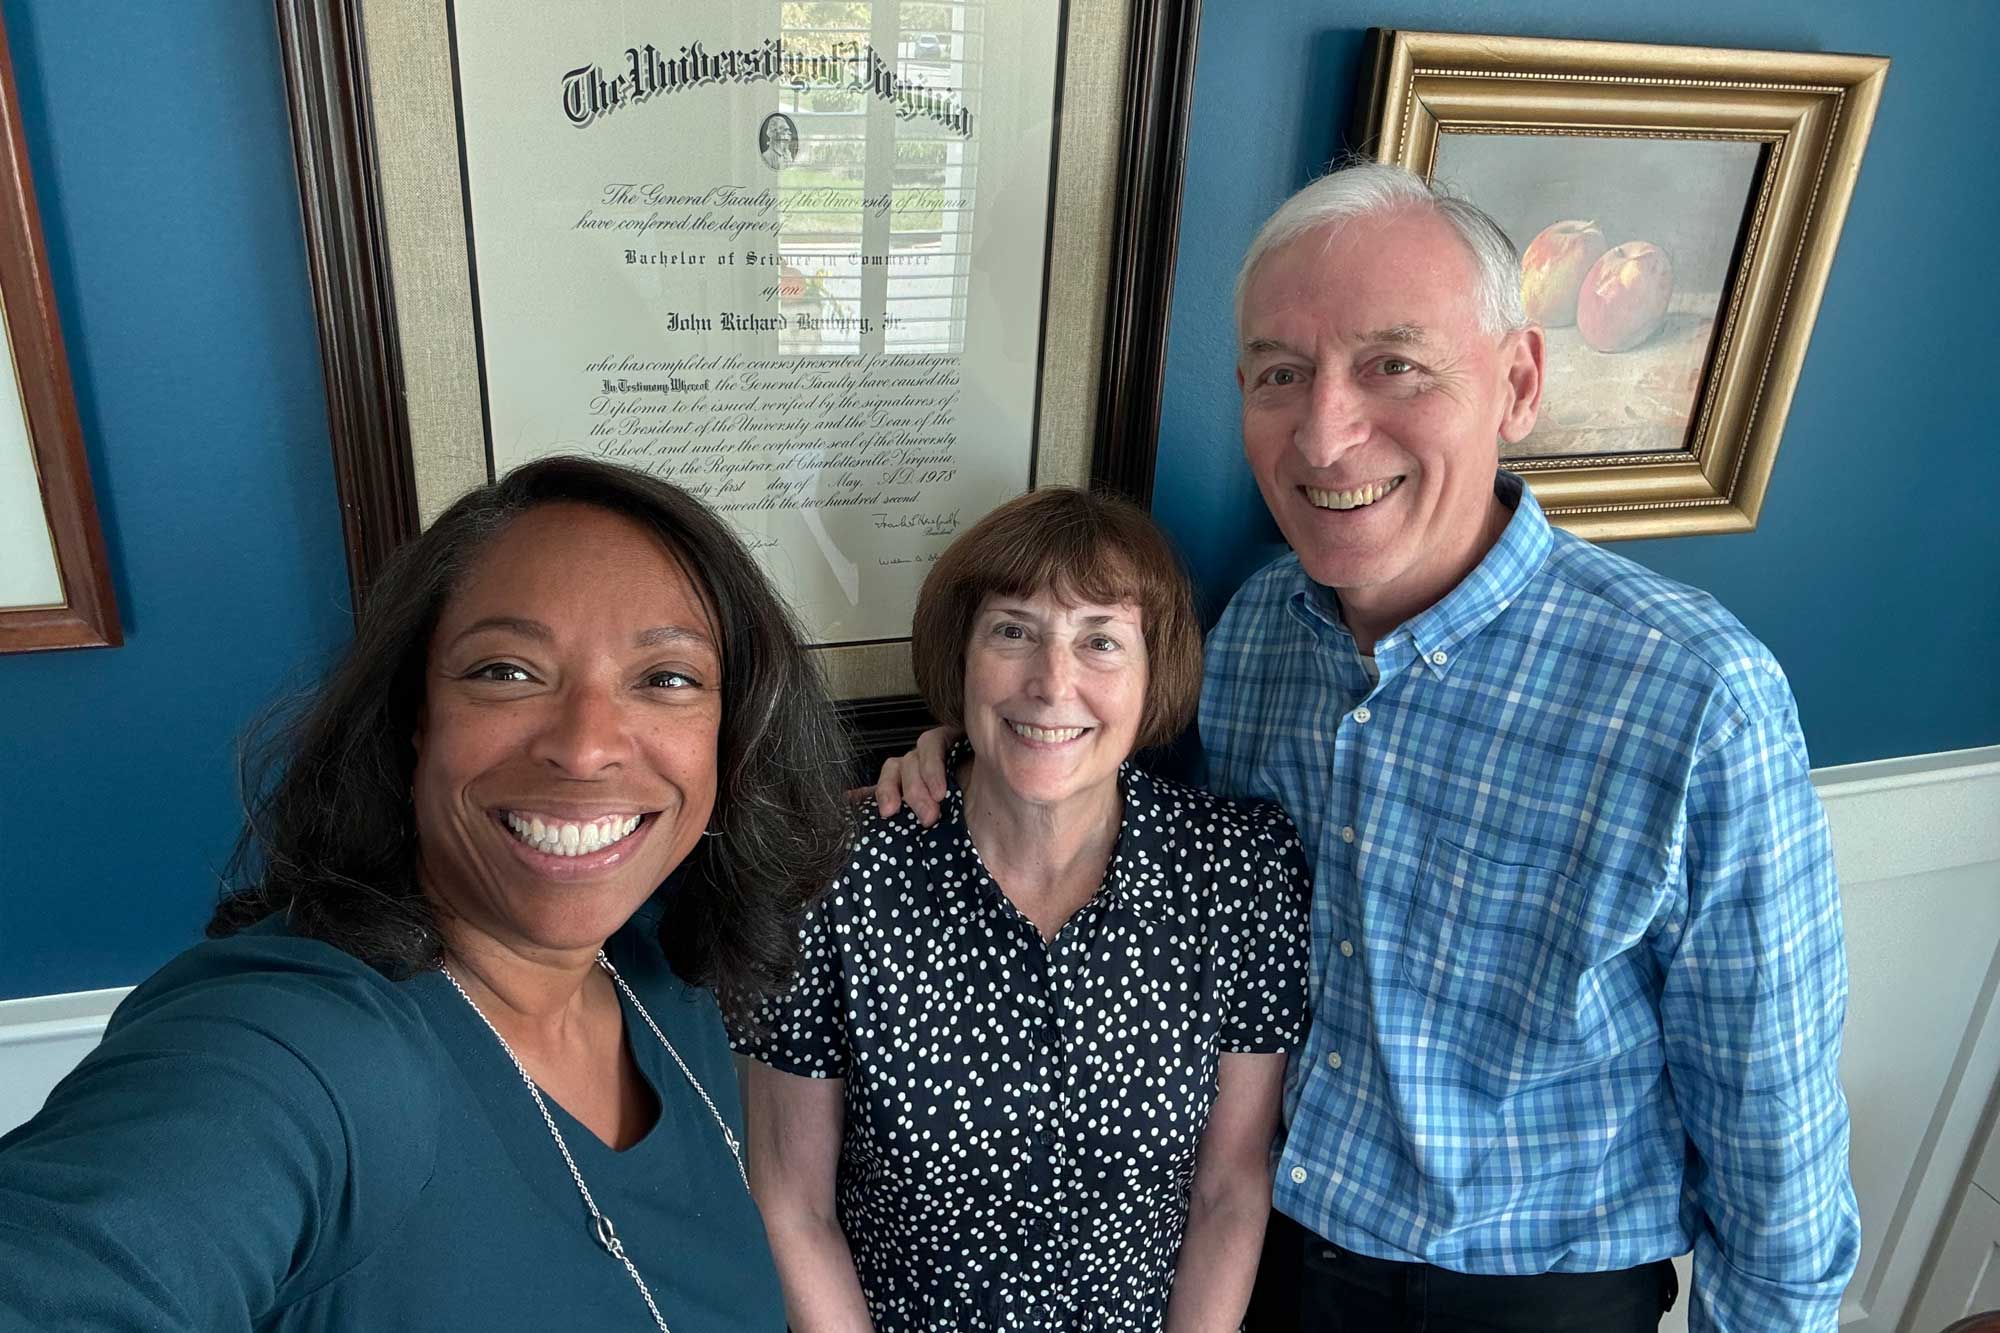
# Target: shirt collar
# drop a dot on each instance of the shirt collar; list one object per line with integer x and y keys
{"x": 1433, "y": 637}
{"x": 1493, "y": 584}
{"x": 949, "y": 841}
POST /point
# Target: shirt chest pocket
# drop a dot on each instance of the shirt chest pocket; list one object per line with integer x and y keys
{"x": 1494, "y": 943}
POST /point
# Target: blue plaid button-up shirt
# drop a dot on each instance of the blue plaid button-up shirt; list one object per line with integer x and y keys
{"x": 1577, "y": 973}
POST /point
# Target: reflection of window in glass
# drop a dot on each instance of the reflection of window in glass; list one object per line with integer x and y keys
{"x": 876, "y": 209}
{"x": 930, "y": 211}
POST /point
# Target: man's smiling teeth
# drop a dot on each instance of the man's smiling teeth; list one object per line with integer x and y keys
{"x": 562, "y": 838}
{"x": 1047, "y": 735}
{"x": 1354, "y": 499}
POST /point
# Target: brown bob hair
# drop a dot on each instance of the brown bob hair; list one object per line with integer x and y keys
{"x": 1083, "y": 548}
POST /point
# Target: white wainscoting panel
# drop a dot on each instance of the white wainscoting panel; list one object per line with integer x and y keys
{"x": 1917, "y": 841}
{"x": 1964, "y": 1273}
{"x": 41, "y": 1039}
{"x": 1918, "y": 846}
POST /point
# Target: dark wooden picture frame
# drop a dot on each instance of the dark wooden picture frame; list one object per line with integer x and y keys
{"x": 339, "y": 183}
{"x": 87, "y": 616}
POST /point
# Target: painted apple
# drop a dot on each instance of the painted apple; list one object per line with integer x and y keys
{"x": 1552, "y": 270}
{"x": 1624, "y": 297}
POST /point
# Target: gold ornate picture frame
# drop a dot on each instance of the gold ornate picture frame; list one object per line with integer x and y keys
{"x": 1677, "y": 210}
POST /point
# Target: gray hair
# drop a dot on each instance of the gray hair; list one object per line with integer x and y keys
{"x": 1366, "y": 189}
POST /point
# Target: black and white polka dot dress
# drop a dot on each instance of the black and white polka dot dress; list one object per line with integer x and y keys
{"x": 1021, "y": 1117}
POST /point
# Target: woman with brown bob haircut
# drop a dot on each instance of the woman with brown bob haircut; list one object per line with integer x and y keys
{"x": 1030, "y": 1069}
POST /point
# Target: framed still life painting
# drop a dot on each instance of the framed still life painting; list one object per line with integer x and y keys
{"x": 1676, "y": 211}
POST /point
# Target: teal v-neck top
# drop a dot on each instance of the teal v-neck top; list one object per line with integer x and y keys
{"x": 272, "y": 1136}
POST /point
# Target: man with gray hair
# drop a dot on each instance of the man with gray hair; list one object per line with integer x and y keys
{"x": 1577, "y": 971}
{"x": 1578, "y": 976}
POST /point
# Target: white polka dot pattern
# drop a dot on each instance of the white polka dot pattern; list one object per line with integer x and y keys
{"x": 1022, "y": 1118}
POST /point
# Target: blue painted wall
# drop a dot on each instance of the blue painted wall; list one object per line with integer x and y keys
{"x": 162, "y": 157}
{"x": 161, "y": 150}
{"x": 1874, "y": 573}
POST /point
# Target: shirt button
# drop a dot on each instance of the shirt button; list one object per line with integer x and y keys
{"x": 1298, "y": 1175}
{"x": 1362, "y": 714}
{"x": 1347, "y": 834}
{"x": 1333, "y": 1059}
{"x": 1439, "y": 658}
{"x": 1347, "y": 948}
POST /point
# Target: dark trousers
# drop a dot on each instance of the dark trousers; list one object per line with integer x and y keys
{"x": 1305, "y": 1285}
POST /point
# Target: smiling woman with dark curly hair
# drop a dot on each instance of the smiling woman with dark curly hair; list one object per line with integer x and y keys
{"x": 455, "y": 1056}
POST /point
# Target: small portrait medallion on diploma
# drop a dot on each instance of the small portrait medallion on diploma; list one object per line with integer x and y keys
{"x": 778, "y": 140}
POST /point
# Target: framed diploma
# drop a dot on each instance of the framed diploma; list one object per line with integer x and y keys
{"x": 853, "y": 273}
{"x": 55, "y": 583}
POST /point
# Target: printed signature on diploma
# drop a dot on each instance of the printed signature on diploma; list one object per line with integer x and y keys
{"x": 931, "y": 525}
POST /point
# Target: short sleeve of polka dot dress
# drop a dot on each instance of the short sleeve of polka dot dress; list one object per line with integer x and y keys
{"x": 1022, "y": 1118}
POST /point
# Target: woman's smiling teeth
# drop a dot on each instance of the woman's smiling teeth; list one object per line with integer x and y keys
{"x": 1357, "y": 498}
{"x": 556, "y": 837}
{"x": 1046, "y": 735}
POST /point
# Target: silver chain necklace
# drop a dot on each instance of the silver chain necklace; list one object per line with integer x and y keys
{"x": 600, "y": 1224}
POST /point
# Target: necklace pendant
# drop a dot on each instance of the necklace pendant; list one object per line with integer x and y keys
{"x": 600, "y": 1225}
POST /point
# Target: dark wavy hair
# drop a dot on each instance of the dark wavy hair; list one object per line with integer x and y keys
{"x": 329, "y": 840}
